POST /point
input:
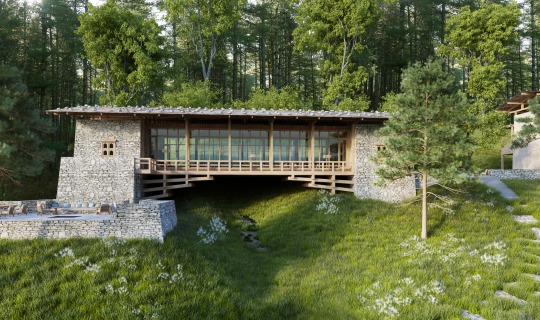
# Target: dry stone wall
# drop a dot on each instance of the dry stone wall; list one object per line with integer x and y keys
{"x": 366, "y": 146}
{"x": 89, "y": 177}
{"x": 150, "y": 219}
{"x": 524, "y": 174}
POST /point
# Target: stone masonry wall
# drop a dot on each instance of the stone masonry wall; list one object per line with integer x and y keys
{"x": 89, "y": 177}
{"x": 150, "y": 219}
{"x": 514, "y": 174}
{"x": 365, "y": 148}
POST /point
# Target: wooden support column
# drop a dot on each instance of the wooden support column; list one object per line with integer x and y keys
{"x": 187, "y": 134}
{"x": 271, "y": 145}
{"x": 350, "y": 155}
{"x": 312, "y": 145}
{"x": 229, "y": 126}
{"x": 165, "y": 185}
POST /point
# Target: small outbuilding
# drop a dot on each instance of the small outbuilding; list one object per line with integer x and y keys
{"x": 522, "y": 158}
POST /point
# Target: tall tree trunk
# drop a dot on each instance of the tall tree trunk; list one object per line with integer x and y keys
{"x": 424, "y": 205}
{"x": 534, "y": 67}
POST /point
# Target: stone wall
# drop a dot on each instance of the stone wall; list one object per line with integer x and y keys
{"x": 514, "y": 174}
{"x": 89, "y": 177}
{"x": 31, "y": 204}
{"x": 528, "y": 157}
{"x": 365, "y": 148}
{"x": 150, "y": 219}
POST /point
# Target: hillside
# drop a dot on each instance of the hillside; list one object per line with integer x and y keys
{"x": 362, "y": 260}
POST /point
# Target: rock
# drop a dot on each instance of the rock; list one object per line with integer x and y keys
{"x": 525, "y": 219}
{"x": 472, "y": 316}
{"x": 536, "y": 233}
{"x": 248, "y": 220}
{"x": 504, "y": 295}
{"x": 535, "y": 277}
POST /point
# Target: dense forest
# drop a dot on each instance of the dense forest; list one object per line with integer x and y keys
{"x": 319, "y": 54}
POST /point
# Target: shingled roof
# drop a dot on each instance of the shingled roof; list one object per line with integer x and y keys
{"x": 519, "y": 103}
{"x": 110, "y": 113}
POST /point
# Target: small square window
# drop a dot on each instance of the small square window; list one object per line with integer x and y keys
{"x": 108, "y": 148}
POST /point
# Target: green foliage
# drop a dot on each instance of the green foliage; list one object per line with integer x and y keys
{"x": 273, "y": 99}
{"x": 425, "y": 133}
{"x": 125, "y": 46}
{"x": 193, "y": 95}
{"x": 335, "y": 29}
{"x": 531, "y": 128}
{"x": 478, "y": 40}
{"x": 202, "y": 23}
{"x": 21, "y": 129}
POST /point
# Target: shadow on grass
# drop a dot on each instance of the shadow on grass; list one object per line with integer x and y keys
{"x": 292, "y": 230}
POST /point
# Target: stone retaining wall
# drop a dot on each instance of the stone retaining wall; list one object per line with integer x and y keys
{"x": 150, "y": 219}
{"x": 366, "y": 146}
{"x": 524, "y": 174}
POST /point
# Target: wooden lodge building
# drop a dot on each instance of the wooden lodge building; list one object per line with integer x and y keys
{"x": 140, "y": 152}
{"x": 523, "y": 158}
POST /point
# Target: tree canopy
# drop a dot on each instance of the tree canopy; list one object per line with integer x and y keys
{"x": 125, "y": 45}
{"x": 425, "y": 135}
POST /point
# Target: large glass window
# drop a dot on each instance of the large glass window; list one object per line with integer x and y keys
{"x": 249, "y": 145}
{"x": 168, "y": 144}
{"x": 330, "y": 145}
{"x": 209, "y": 144}
{"x": 291, "y": 145}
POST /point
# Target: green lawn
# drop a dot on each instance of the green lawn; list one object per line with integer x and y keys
{"x": 364, "y": 262}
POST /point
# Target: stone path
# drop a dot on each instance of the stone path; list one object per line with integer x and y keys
{"x": 525, "y": 219}
{"x": 498, "y": 185}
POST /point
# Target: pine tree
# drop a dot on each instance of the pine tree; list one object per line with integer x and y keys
{"x": 425, "y": 135}
{"x": 21, "y": 130}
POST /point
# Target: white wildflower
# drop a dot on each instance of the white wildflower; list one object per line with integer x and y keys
{"x": 66, "y": 252}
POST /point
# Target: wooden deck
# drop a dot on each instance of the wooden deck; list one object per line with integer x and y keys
{"x": 162, "y": 176}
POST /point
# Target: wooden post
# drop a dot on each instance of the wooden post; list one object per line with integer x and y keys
{"x": 312, "y": 146}
{"x": 271, "y": 146}
{"x": 229, "y": 126}
{"x": 351, "y": 148}
{"x": 187, "y": 134}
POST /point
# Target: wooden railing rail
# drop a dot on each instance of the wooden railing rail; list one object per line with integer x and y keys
{"x": 151, "y": 166}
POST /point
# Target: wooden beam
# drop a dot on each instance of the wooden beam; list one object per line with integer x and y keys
{"x": 306, "y": 179}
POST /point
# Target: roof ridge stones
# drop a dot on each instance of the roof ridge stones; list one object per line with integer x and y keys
{"x": 282, "y": 113}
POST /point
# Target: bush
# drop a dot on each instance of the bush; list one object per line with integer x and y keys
{"x": 273, "y": 98}
{"x": 192, "y": 94}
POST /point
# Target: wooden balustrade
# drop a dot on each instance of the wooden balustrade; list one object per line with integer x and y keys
{"x": 153, "y": 166}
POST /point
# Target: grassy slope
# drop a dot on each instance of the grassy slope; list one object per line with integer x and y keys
{"x": 319, "y": 266}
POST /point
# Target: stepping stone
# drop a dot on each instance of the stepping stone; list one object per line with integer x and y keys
{"x": 504, "y": 295}
{"x": 472, "y": 316}
{"x": 535, "y": 277}
{"x": 525, "y": 219}
{"x": 537, "y": 293}
{"x": 536, "y": 233}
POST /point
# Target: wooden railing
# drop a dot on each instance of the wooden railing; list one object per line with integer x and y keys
{"x": 151, "y": 166}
